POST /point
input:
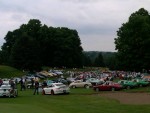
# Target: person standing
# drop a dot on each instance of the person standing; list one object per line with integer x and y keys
{"x": 36, "y": 89}
{"x": 44, "y": 84}
{"x": 22, "y": 84}
{"x": 13, "y": 86}
{"x": 32, "y": 83}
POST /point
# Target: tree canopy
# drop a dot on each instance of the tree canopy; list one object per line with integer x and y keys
{"x": 99, "y": 61}
{"x": 133, "y": 41}
{"x": 34, "y": 45}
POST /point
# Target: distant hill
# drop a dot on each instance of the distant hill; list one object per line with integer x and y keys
{"x": 94, "y": 54}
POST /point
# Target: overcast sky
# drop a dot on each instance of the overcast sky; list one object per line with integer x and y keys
{"x": 96, "y": 21}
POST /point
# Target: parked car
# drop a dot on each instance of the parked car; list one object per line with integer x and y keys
{"x": 6, "y": 90}
{"x": 128, "y": 84}
{"x": 29, "y": 85}
{"x": 56, "y": 88}
{"x": 16, "y": 80}
{"x": 80, "y": 83}
{"x": 49, "y": 82}
{"x": 62, "y": 80}
{"x": 141, "y": 82}
{"x": 147, "y": 80}
{"x": 108, "y": 86}
{"x": 95, "y": 81}
{"x": 6, "y": 82}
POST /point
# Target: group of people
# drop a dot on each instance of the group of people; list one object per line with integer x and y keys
{"x": 34, "y": 85}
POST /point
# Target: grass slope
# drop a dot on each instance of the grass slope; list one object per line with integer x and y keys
{"x": 8, "y": 72}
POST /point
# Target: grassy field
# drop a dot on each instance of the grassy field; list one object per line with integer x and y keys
{"x": 78, "y": 101}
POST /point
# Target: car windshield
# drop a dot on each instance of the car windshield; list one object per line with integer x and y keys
{"x": 7, "y": 87}
{"x": 59, "y": 84}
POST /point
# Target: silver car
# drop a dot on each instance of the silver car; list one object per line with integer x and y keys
{"x": 80, "y": 83}
{"x": 6, "y": 90}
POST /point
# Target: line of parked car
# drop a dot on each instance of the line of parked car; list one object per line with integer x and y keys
{"x": 99, "y": 85}
{"x": 63, "y": 85}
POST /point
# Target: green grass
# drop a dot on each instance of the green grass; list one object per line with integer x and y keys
{"x": 78, "y": 101}
{"x": 8, "y": 72}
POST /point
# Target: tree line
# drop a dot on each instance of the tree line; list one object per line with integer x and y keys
{"x": 34, "y": 45}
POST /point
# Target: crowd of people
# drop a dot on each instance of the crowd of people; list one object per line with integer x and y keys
{"x": 23, "y": 84}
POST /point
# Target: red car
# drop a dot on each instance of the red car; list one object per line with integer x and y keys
{"x": 108, "y": 86}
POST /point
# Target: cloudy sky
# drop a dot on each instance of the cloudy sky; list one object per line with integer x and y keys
{"x": 95, "y": 20}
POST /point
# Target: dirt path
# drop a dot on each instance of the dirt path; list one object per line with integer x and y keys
{"x": 129, "y": 98}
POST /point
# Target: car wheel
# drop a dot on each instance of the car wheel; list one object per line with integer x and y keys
{"x": 141, "y": 85}
{"x": 43, "y": 92}
{"x": 87, "y": 86}
{"x": 73, "y": 86}
{"x": 97, "y": 89}
{"x": 112, "y": 89}
{"x": 52, "y": 92}
{"x": 28, "y": 87}
{"x": 128, "y": 87}
{"x": 15, "y": 94}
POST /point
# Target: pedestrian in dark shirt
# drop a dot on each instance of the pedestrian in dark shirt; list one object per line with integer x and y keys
{"x": 22, "y": 85}
{"x": 44, "y": 84}
{"x": 32, "y": 83}
{"x": 36, "y": 89}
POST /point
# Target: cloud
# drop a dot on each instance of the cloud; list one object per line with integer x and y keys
{"x": 95, "y": 20}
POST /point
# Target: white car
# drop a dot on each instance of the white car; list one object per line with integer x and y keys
{"x": 6, "y": 90}
{"x": 80, "y": 83}
{"x": 56, "y": 88}
{"x": 6, "y": 82}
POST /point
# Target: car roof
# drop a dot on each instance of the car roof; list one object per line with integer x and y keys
{"x": 5, "y": 86}
{"x": 57, "y": 83}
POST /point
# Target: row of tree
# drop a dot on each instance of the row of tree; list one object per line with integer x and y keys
{"x": 34, "y": 45}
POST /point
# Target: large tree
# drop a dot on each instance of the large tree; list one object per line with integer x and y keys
{"x": 133, "y": 41}
{"x": 34, "y": 45}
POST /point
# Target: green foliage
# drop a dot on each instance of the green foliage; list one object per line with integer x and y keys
{"x": 87, "y": 60}
{"x": 34, "y": 45}
{"x": 8, "y": 72}
{"x": 109, "y": 58}
{"x": 133, "y": 41}
{"x": 99, "y": 61}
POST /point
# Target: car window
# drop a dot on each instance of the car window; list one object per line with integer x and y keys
{"x": 5, "y": 87}
{"x": 59, "y": 84}
{"x": 122, "y": 82}
{"x": 50, "y": 86}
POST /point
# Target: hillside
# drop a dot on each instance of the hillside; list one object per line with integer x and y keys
{"x": 8, "y": 72}
{"x": 94, "y": 54}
